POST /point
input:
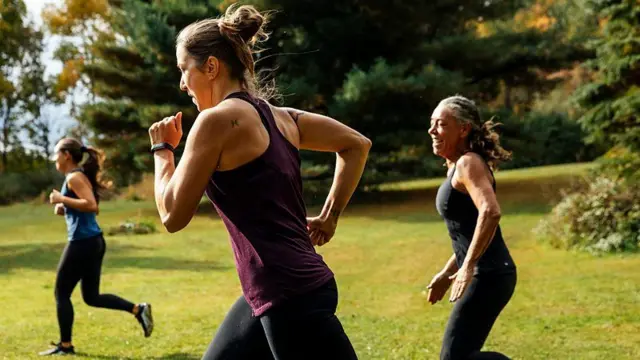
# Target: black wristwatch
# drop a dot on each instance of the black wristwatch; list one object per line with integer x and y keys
{"x": 162, "y": 146}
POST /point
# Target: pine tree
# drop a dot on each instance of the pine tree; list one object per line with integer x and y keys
{"x": 611, "y": 102}
{"x": 134, "y": 78}
{"x": 379, "y": 66}
{"x": 382, "y": 66}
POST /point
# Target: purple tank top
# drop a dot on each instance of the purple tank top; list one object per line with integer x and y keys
{"x": 262, "y": 206}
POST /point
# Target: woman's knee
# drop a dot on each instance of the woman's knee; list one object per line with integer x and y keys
{"x": 91, "y": 299}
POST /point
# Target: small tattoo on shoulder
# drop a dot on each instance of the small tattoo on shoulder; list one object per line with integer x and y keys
{"x": 295, "y": 115}
{"x": 234, "y": 123}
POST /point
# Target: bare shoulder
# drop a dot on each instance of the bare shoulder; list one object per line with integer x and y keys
{"x": 287, "y": 121}
{"x": 295, "y": 114}
{"x": 472, "y": 165}
{"x": 77, "y": 179}
{"x": 220, "y": 116}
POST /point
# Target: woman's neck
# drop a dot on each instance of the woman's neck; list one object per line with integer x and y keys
{"x": 460, "y": 151}
{"x": 224, "y": 89}
{"x": 70, "y": 168}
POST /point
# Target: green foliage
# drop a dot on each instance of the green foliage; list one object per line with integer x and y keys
{"x": 137, "y": 81}
{"x": 18, "y": 186}
{"x": 611, "y": 102}
{"x": 379, "y": 66}
{"x": 22, "y": 86}
{"x": 384, "y": 74}
{"x": 129, "y": 227}
{"x": 607, "y": 216}
{"x": 538, "y": 139}
{"x": 603, "y": 218}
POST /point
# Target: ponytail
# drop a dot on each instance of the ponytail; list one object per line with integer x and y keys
{"x": 485, "y": 141}
{"x": 90, "y": 160}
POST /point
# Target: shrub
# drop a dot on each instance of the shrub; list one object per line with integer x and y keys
{"x": 603, "y": 218}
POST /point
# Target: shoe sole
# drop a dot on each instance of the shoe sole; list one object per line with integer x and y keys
{"x": 149, "y": 329}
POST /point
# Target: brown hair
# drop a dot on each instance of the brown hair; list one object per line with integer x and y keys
{"x": 91, "y": 165}
{"x": 230, "y": 38}
{"x": 483, "y": 139}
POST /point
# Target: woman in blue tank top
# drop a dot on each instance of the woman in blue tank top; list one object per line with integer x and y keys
{"x": 244, "y": 154}
{"x": 82, "y": 257}
{"x": 481, "y": 269}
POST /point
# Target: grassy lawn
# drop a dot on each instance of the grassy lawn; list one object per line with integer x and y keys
{"x": 566, "y": 306}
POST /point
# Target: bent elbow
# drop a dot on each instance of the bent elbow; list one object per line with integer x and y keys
{"x": 172, "y": 225}
{"x": 491, "y": 213}
{"x": 366, "y": 143}
{"x": 494, "y": 214}
{"x": 363, "y": 145}
{"x": 91, "y": 208}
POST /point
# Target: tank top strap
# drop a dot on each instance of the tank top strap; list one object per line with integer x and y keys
{"x": 265, "y": 115}
{"x": 75, "y": 170}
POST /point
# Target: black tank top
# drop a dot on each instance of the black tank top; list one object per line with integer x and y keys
{"x": 461, "y": 215}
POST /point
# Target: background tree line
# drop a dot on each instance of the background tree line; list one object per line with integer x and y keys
{"x": 561, "y": 75}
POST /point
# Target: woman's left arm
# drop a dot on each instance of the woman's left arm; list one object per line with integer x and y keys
{"x": 178, "y": 190}
{"x": 476, "y": 178}
{"x": 86, "y": 201}
{"x": 478, "y": 182}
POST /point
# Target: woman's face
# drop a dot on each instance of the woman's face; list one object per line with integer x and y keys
{"x": 194, "y": 80}
{"x": 62, "y": 159}
{"x": 446, "y": 133}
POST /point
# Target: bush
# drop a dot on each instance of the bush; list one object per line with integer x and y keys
{"x": 604, "y": 218}
{"x": 539, "y": 139}
{"x": 133, "y": 228}
{"x": 16, "y": 187}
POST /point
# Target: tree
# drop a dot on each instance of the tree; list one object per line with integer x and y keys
{"x": 20, "y": 72}
{"x": 611, "y": 102}
{"x": 382, "y": 66}
{"x": 379, "y": 66}
{"x": 605, "y": 217}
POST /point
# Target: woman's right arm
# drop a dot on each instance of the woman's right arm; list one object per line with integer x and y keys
{"x": 322, "y": 133}
{"x": 451, "y": 267}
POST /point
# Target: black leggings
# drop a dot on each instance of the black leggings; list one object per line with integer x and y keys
{"x": 473, "y": 316}
{"x": 304, "y": 327}
{"x": 82, "y": 260}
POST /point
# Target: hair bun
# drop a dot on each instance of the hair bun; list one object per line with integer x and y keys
{"x": 245, "y": 22}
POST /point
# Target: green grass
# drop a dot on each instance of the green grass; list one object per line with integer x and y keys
{"x": 567, "y": 305}
{"x": 536, "y": 174}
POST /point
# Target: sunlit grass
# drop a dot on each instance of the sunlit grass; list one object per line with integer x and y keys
{"x": 566, "y": 306}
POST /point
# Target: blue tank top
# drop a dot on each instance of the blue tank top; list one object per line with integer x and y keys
{"x": 261, "y": 205}
{"x": 80, "y": 225}
{"x": 461, "y": 215}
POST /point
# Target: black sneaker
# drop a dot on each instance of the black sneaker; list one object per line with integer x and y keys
{"x": 145, "y": 318}
{"x": 58, "y": 350}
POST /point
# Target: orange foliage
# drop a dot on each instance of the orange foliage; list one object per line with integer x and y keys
{"x": 536, "y": 17}
{"x": 73, "y": 12}
{"x": 6, "y": 87}
{"x": 69, "y": 75}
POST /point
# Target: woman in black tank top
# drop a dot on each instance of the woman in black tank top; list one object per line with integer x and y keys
{"x": 481, "y": 272}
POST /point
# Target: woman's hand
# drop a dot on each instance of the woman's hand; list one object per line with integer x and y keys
{"x": 461, "y": 280}
{"x": 169, "y": 130}
{"x": 55, "y": 197}
{"x": 58, "y": 209}
{"x": 321, "y": 229}
{"x": 438, "y": 287}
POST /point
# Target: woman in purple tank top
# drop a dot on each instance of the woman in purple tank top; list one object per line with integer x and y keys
{"x": 242, "y": 153}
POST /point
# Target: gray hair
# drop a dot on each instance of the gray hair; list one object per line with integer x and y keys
{"x": 483, "y": 139}
{"x": 463, "y": 109}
